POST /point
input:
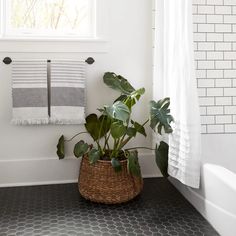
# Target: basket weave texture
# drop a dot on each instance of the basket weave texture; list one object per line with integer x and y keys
{"x": 100, "y": 183}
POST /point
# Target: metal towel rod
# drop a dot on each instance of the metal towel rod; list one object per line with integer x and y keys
{"x": 8, "y": 60}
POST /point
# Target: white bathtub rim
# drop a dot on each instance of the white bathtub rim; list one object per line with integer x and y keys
{"x": 222, "y": 220}
{"x": 211, "y": 204}
{"x": 228, "y": 178}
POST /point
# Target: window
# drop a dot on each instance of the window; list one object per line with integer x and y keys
{"x": 48, "y": 18}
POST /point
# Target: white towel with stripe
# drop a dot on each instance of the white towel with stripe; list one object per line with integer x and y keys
{"x": 67, "y": 92}
{"x": 29, "y": 92}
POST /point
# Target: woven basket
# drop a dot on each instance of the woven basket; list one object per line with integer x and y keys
{"x": 100, "y": 183}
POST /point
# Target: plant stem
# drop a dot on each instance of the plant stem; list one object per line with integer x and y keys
{"x": 129, "y": 138}
{"x": 99, "y": 136}
{"x": 99, "y": 146}
{"x": 125, "y": 142}
{"x": 106, "y": 141}
{"x": 116, "y": 142}
{"x": 75, "y": 136}
{"x": 100, "y": 130}
{"x": 145, "y": 122}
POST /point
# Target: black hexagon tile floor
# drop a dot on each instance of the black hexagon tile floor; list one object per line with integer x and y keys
{"x": 59, "y": 210}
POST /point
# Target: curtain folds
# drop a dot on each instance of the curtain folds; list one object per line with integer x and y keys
{"x": 174, "y": 76}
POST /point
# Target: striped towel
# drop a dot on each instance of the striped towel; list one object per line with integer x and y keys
{"x": 67, "y": 92}
{"x": 29, "y": 92}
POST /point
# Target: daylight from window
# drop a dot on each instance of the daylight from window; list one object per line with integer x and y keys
{"x": 50, "y": 17}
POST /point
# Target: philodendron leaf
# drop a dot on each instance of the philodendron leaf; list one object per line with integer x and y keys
{"x": 97, "y": 127}
{"x": 131, "y": 132}
{"x": 105, "y": 124}
{"x": 118, "y": 83}
{"x": 160, "y": 116}
{"x": 116, "y": 164}
{"x": 92, "y": 126}
{"x": 121, "y": 98}
{"x": 94, "y": 156}
{"x": 131, "y": 100}
{"x": 80, "y": 148}
{"x": 139, "y": 128}
{"x": 133, "y": 164}
{"x": 117, "y": 129}
{"x": 137, "y": 93}
{"x": 61, "y": 148}
{"x": 161, "y": 153}
{"x": 118, "y": 111}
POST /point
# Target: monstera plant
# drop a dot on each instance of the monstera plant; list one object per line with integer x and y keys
{"x": 113, "y": 128}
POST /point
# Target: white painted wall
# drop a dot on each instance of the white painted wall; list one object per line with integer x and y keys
{"x": 27, "y": 153}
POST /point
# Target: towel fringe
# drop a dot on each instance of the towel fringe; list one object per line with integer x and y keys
{"x": 57, "y": 121}
{"x": 38, "y": 121}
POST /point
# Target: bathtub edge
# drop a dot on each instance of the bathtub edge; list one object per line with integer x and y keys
{"x": 212, "y": 213}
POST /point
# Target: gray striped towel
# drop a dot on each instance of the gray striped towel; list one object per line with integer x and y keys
{"x": 29, "y": 92}
{"x": 67, "y": 92}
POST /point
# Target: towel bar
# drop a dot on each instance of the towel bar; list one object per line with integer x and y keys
{"x": 8, "y": 60}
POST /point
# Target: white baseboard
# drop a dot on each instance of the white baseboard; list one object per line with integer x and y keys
{"x": 46, "y": 171}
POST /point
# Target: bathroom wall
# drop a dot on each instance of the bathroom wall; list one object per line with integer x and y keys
{"x": 27, "y": 153}
{"x": 215, "y": 55}
{"x": 215, "y": 45}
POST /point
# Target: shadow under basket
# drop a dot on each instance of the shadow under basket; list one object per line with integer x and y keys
{"x": 100, "y": 183}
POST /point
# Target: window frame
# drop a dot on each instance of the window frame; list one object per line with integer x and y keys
{"x": 6, "y": 34}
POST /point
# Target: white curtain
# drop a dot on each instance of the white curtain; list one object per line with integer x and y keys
{"x": 174, "y": 76}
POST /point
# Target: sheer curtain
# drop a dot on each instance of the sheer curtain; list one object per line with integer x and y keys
{"x": 174, "y": 76}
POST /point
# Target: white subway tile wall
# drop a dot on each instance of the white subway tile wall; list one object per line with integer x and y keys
{"x": 215, "y": 56}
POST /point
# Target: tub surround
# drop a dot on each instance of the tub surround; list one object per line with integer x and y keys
{"x": 215, "y": 200}
{"x": 214, "y": 36}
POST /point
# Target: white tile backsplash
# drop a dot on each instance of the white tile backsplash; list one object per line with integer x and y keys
{"x": 215, "y": 54}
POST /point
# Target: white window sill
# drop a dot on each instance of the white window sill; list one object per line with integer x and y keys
{"x": 47, "y": 45}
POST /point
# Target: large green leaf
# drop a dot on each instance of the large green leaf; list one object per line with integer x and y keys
{"x": 118, "y": 83}
{"x": 130, "y": 100}
{"x": 121, "y": 98}
{"x": 118, "y": 111}
{"x": 131, "y": 132}
{"x": 117, "y": 129}
{"x": 105, "y": 124}
{"x": 137, "y": 93}
{"x": 129, "y": 96}
{"x": 61, "y": 148}
{"x": 133, "y": 164}
{"x": 80, "y": 148}
{"x": 97, "y": 127}
{"x": 160, "y": 116}
{"x": 92, "y": 126}
{"x": 161, "y": 153}
{"x": 139, "y": 128}
{"x": 94, "y": 156}
{"x": 116, "y": 164}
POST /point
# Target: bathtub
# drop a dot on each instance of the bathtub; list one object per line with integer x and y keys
{"x": 216, "y": 199}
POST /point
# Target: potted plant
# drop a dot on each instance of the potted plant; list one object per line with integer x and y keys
{"x": 110, "y": 172}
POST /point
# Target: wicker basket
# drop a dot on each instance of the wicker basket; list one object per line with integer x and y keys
{"x": 100, "y": 183}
